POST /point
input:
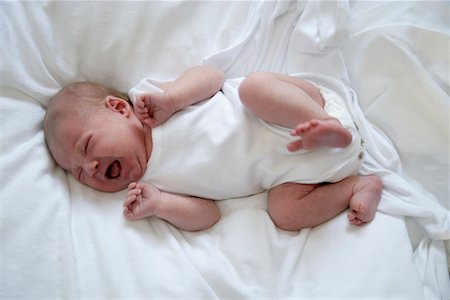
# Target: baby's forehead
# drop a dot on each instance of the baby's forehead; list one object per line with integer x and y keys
{"x": 65, "y": 119}
{"x": 70, "y": 108}
{"x": 62, "y": 140}
{"x": 66, "y": 129}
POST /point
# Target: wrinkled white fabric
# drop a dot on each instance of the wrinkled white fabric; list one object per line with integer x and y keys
{"x": 63, "y": 240}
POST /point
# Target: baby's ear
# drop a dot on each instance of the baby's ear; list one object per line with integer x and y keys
{"x": 117, "y": 104}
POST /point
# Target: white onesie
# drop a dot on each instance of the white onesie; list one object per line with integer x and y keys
{"x": 216, "y": 149}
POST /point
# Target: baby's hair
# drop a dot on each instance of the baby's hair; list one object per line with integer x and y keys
{"x": 79, "y": 100}
{"x": 88, "y": 91}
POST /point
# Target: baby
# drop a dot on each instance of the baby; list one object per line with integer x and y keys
{"x": 237, "y": 143}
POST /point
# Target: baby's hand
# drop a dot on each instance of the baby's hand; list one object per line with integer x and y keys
{"x": 154, "y": 109}
{"x": 142, "y": 201}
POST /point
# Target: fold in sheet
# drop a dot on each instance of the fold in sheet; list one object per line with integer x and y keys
{"x": 64, "y": 240}
{"x": 325, "y": 29}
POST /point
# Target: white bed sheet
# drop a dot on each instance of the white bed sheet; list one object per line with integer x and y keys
{"x": 63, "y": 240}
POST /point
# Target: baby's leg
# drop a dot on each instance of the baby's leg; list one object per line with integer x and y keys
{"x": 281, "y": 99}
{"x": 294, "y": 206}
{"x": 294, "y": 103}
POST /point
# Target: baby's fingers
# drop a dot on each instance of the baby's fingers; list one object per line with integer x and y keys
{"x": 134, "y": 192}
{"x": 128, "y": 213}
{"x": 129, "y": 201}
{"x": 142, "y": 100}
{"x": 147, "y": 120}
{"x": 132, "y": 185}
{"x": 133, "y": 195}
{"x": 141, "y": 112}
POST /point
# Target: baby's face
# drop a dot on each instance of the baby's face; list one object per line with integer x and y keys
{"x": 106, "y": 152}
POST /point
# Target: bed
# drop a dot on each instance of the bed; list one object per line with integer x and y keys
{"x": 62, "y": 240}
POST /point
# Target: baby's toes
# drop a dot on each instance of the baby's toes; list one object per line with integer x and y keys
{"x": 295, "y": 145}
{"x": 302, "y": 128}
{"x": 355, "y": 218}
{"x": 357, "y": 222}
{"x": 358, "y": 208}
{"x": 351, "y": 215}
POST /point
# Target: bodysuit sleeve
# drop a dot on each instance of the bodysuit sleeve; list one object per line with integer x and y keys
{"x": 146, "y": 85}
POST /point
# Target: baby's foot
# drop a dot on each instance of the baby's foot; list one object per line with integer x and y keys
{"x": 364, "y": 202}
{"x": 320, "y": 133}
{"x": 142, "y": 201}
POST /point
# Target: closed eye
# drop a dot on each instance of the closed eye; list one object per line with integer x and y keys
{"x": 87, "y": 145}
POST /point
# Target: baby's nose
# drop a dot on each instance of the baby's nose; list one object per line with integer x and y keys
{"x": 90, "y": 167}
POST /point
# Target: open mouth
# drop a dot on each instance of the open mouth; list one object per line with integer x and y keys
{"x": 113, "y": 170}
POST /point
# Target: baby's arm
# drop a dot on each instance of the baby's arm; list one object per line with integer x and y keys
{"x": 192, "y": 86}
{"x": 185, "y": 212}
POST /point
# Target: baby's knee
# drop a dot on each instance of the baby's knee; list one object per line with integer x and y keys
{"x": 252, "y": 86}
{"x": 287, "y": 208}
{"x": 283, "y": 216}
{"x": 284, "y": 219}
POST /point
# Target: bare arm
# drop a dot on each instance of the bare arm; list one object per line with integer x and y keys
{"x": 188, "y": 213}
{"x": 192, "y": 86}
{"x": 185, "y": 212}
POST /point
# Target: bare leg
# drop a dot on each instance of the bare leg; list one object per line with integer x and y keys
{"x": 293, "y": 103}
{"x": 276, "y": 99}
{"x": 294, "y": 206}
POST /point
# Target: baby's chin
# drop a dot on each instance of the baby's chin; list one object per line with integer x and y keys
{"x": 111, "y": 188}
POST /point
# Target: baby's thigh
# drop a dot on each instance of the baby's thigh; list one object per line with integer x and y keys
{"x": 285, "y": 195}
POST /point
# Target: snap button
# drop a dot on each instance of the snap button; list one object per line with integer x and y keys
{"x": 362, "y": 142}
{"x": 361, "y": 155}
